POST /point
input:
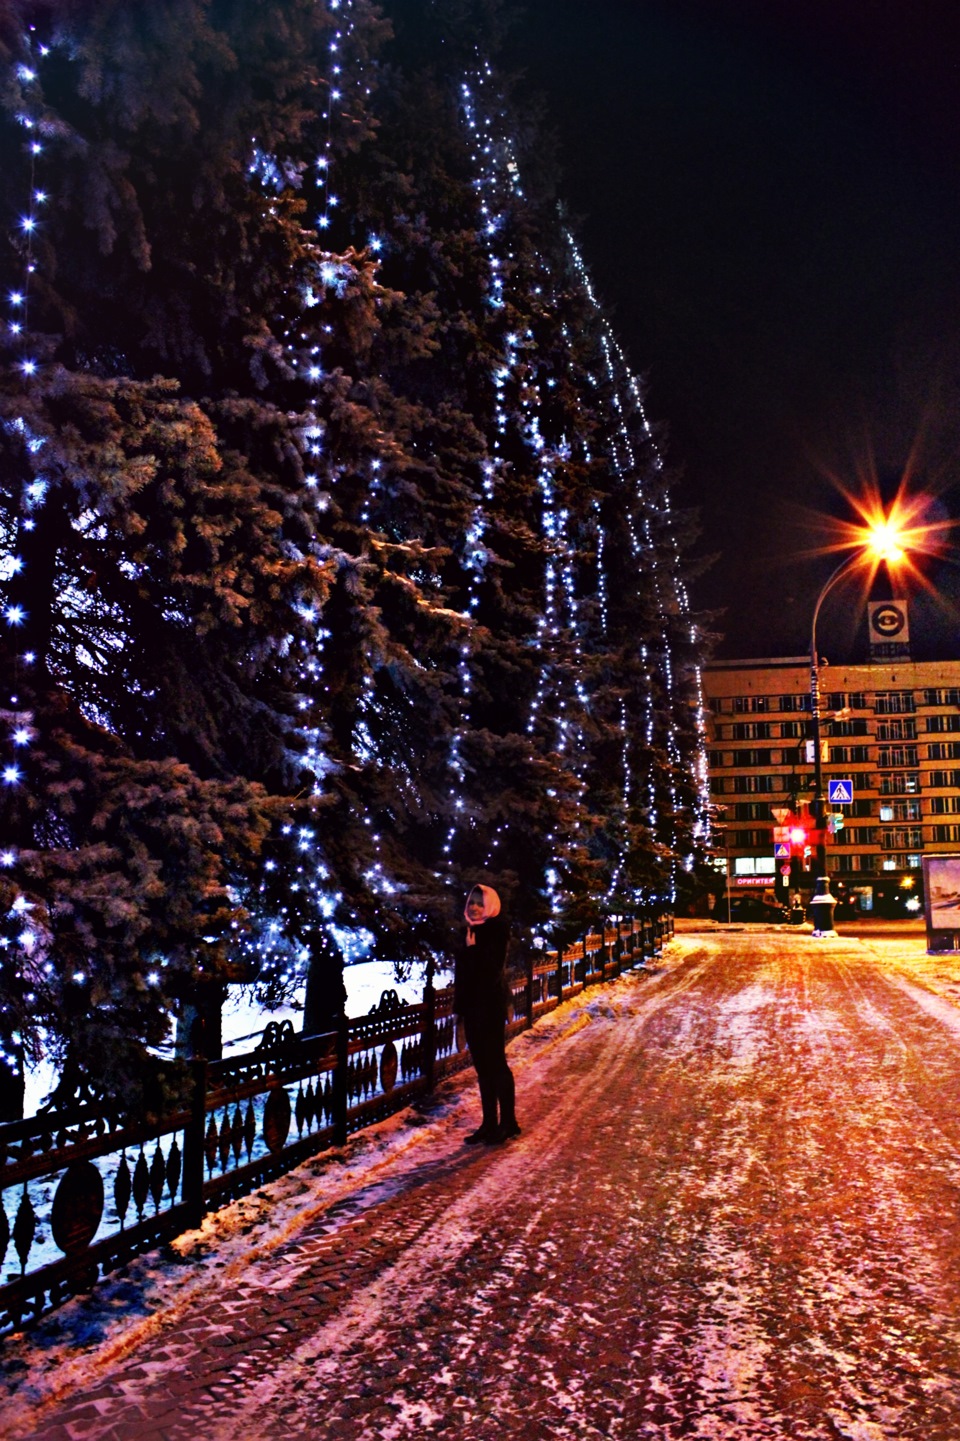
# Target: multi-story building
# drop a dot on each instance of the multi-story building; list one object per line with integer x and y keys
{"x": 892, "y": 727}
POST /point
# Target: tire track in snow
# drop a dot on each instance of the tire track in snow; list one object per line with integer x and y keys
{"x": 733, "y": 1211}
{"x": 224, "y": 1347}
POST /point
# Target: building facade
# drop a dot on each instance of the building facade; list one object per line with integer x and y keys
{"x": 890, "y": 727}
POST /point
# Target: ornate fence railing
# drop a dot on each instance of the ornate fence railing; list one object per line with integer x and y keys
{"x": 83, "y": 1191}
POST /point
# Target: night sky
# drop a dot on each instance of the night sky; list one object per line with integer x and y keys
{"x": 768, "y": 194}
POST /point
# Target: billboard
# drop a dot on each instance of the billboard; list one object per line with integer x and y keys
{"x": 888, "y": 622}
{"x": 941, "y": 890}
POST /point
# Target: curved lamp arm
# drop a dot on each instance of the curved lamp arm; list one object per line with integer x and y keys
{"x": 846, "y": 564}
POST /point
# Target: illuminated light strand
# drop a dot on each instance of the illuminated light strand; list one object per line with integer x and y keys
{"x": 475, "y": 553}
{"x": 680, "y": 592}
{"x": 559, "y": 628}
{"x": 474, "y": 562}
{"x": 489, "y": 184}
{"x": 625, "y": 461}
{"x": 26, "y": 948}
{"x": 624, "y": 464}
{"x": 333, "y": 274}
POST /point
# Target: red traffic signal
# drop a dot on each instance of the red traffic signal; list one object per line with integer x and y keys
{"x": 799, "y": 830}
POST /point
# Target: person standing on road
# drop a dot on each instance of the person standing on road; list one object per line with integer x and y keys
{"x": 480, "y": 994}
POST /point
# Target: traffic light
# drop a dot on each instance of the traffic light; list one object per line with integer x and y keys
{"x": 802, "y": 834}
{"x": 798, "y": 831}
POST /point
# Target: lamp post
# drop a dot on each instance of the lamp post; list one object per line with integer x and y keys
{"x": 818, "y": 807}
{"x": 721, "y": 816}
{"x": 726, "y": 866}
{"x": 880, "y": 542}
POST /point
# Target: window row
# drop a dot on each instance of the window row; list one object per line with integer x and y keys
{"x": 896, "y": 758}
{"x": 868, "y": 865}
{"x": 903, "y": 783}
{"x": 787, "y": 704}
{"x": 748, "y": 785}
{"x": 766, "y": 865}
{"x": 896, "y": 812}
{"x": 897, "y": 730}
{"x": 845, "y": 862}
{"x": 837, "y": 729}
{"x": 884, "y": 702}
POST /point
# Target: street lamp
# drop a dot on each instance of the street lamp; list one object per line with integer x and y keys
{"x": 880, "y": 541}
{"x": 721, "y": 816}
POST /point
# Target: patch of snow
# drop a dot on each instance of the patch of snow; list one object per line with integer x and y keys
{"x": 84, "y": 1336}
{"x": 945, "y": 1011}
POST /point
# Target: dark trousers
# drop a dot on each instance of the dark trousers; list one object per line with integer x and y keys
{"x": 487, "y": 1040}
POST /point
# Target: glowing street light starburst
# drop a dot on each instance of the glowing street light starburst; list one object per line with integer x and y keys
{"x": 884, "y": 542}
{"x": 897, "y": 534}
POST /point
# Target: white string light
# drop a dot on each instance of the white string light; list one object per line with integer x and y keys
{"x": 669, "y": 589}
{"x": 24, "y": 945}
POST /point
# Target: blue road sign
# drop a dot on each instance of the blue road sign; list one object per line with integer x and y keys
{"x": 781, "y": 851}
{"x": 840, "y": 792}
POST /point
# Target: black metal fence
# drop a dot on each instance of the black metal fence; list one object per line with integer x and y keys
{"x": 82, "y": 1191}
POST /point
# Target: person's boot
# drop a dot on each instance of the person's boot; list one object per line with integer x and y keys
{"x": 480, "y": 1136}
{"x": 508, "y": 1129}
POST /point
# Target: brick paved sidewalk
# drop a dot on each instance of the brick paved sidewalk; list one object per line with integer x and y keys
{"x": 178, "y": 1292}
{"x": 732, "y": 1212}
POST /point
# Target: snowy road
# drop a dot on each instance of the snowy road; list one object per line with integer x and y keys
{"x": 734, "y": 1211}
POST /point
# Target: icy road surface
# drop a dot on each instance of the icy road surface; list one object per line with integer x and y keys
{"x": 734, "y": 1212}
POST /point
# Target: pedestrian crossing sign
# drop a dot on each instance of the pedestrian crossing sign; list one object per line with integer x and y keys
{"x": 840, "y": 792}
{"x": 781, "y": 851}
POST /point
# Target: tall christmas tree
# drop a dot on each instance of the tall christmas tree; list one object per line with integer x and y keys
{"x": 336, "y": 549}
{"x": 158, "y": 554}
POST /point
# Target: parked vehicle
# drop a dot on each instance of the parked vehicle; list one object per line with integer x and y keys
{"x": 756, "y": 908}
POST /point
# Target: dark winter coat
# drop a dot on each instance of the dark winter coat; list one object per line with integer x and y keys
{"x": 480, "y": 989}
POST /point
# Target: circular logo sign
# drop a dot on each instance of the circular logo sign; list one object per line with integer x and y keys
{"x": 888, "y": 620}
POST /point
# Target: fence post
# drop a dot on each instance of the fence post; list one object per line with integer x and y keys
{"x": 193, "y": 1138}
{"x": 429, "y": 1028}
{"x": 529, "y": 996}
{"x": 559, "y": 973}
{"x": 340, "y": 1077}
